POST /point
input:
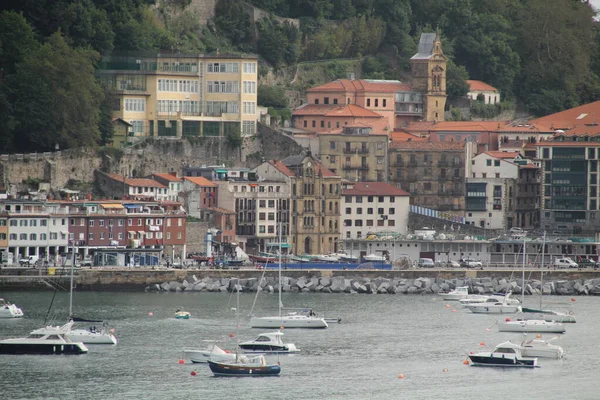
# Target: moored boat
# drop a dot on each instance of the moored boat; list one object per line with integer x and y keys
{"x": 52, "y": 340}
{"x": 494, "y": 306}
{"x": 270, "y": 342}
{"x": 245, "y": 366}
{"x": 180, "y": 314}
{"x": 530, "y": 325}
{"x": 503, "y": 357}
{"x": 8, "y": 310}
{"x": 460, "y": 292}
{"x": 211, "y": 352}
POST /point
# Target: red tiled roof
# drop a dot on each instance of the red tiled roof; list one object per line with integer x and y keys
{"x": 168, "y": 177}
{"x": 362, "y": 85}
{"x": 336, "y": 110}
{"x": 200, "y": 181}
{"x": 465, "y": 126}
{"x": 373, "y": 188}
{"x": 137, "y": 181}
{"x": 282, "y": 167}
{"x": 320, "y": 168}
{"x": 480, "y": 86}
{"x": 427, "y": 145}
{"x": 579, "y": 120}
{"x": 503, "y": 154}
{"x": 405, "y": 136}
{"x": 529, "y": 166}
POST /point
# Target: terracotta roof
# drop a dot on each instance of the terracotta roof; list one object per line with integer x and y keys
{"x": 320, "y": 168}
{"x": 282, "y": 167}
{"x": 373, "y": 188}
{"x": 336, "y": 110}
{"x": 503, "y": 154}
{"x": 528, "y": 166}
{"x": 465, "y": 126}
{"x": 137, "y": 181}
{"x": 480, "y": 86}
{"x": 427, "y": 145}
{"x": 200, "y": 181}
{"x": 405, "y": 136}
{"x": 578, "y": 120}
{"x": 362, "y": 85}
{"x": 168, "y": 177}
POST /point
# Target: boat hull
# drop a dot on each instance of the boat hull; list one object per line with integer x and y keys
{"x": 489, "y": 309}
{"x": 16, "y": 346}
{"x": 87, "y": 337}
{"x": 550, "y": 316}
{"x": 531, "y": 326}
{"x": 267, "y": 349}
{"x": 10, "y": 311}
{"x": 203, "y": 356}
{"x": 288, "y": 322}
{"x": 225, "y": 369}
{"x": 501, "y": 360}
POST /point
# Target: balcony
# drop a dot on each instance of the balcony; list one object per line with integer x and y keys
{"x": 359, "y": 167}
{"x": 356, "y": 150}
{"x": 458, "y": 178}
{"x": 443, "y": 163}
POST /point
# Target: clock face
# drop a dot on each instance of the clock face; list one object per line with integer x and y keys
{"x": 309, "y": 164}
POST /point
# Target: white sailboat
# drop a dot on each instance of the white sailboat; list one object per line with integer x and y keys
{"x": 292, "y": 319}
{"x": 545, "y": 314}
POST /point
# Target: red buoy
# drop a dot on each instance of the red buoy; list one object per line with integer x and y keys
{"x": 193, "y": 373}
{"x": 181, "y": 362}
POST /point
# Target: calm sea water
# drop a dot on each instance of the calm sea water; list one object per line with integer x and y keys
{"x": 380, "y": 337}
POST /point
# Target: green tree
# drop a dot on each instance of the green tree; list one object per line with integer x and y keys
{"x": 456, "y": 76}
{"x": 271, "y": 96}
{"x": 16, "y": 41}
{"x": 233, "y": 21}
{"x": 65, "y": 107}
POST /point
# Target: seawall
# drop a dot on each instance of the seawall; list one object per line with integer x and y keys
{"x": 368, "y": 281}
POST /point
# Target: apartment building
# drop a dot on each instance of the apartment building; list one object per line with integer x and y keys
{"x": 118, "y": 186}
{"x": 373, "y": 207}
{"x": 355, "y": 153}
{"x": 171, "y": 181}
{"x": 175, "y": 95}
{"x": 198, "y": 194}
{"x": 316, "y": 201}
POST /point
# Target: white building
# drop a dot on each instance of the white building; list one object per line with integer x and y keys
{"x": 172, "y": 182}
{"x": 373, "y": 207}
{"x": 492, "y": 190}
{"x": 478, "y": 89}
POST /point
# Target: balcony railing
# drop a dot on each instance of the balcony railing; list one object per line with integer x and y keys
{"x": 359, "y": 167}
{"x": 356, "y": 150}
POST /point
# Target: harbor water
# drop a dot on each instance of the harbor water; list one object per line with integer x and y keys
{"x": 410, "y": 347}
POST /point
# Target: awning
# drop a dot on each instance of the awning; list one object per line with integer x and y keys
{"x": 114, "y": 206}
{"x": 283, "y": 245}
{"x": 221, "y": 171}
{"x": 133, "y": 205}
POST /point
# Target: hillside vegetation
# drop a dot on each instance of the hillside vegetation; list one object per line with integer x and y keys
{"x": 547, "y": 58}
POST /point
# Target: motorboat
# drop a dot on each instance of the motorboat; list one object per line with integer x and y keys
{"x": 530, "y": 325}
{"x": 460, "y": 292}
{"x": 541, "y": 348}
{"x": 180, "y": 314}
{"x": 211, "y": 352}
{"x": 92, "y": 335}
{"x": 374, "y": 257}
{"x": 503, "y": 357}
{"x": 8, "y": 310}
{"x": 52, "y": 340}
{"x": 343, "y": 257}
{"x": 548, "y": 315}
{"x": 481, "y": 298}
{"x": 494, "y": 306}
{"x": 245, "y": 366}
{"x": 270, "y": 342}
{"x": 327, "y": 258}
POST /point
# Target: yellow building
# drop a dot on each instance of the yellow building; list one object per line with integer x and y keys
{"x": 355, "y": 153}
{"x": 183, "y": 95}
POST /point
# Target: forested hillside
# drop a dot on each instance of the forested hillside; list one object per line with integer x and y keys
{"x": 547, "y": 57}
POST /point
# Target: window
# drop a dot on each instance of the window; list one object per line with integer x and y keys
{"x": 332, "y": 145}
{"x": 166, "y": 85}
{"x": 358, "y": 222}
{"x": 332, "y": 159}
{"x": 223, "y": 86}
{"x": 359, "y": 210}
{"x": 249, "y": 128}
{"x": 91, "y": 222}
{"x": 488, "y": 163}
{"x": 326, "y": 100}
{"x": 305, "y": 123}
{"x": 102, "y": 235}
{"x": 135, "y": 105}
{"x": 90, "y": 236}
{"x": 230, "y": 68}
{"x": 32, "y": 236}
{"x": 23, "y": 236}
{"x": 101, "y": 222}
{"x": 368, "y": 102}
{"x": 249, "y": 107}
{"x": 249, "y": 87}
{"x": 44, "y": 222}
{"x": 359, "y": 199}
{"x": 369, "y": 210}
{"x": 384, "y": 101}
{"x": 188, "y": 86}
{"x": 249, "y": 68}
{"x": 322, "y": 124}
{"x": 391, "y": 211}
{"x": 316, "y": 101}
{"x": 376, "y": 102}
{"x": 496, "y": 163}
{"x": 379, "y": 160}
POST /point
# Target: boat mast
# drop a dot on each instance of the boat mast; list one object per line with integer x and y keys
{"x": 280, "y": 304}
{"x": 542, "y": 269}
{"x": 523, "y": 278}
{"x": 71, "y": 289}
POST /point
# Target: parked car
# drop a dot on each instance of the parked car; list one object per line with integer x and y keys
{"x": 450, "y": 264}
{"x": 565, "y": 262}
{"x": 515, "y": 229}
{"x": 470, "y": 263}
{"x": 425, "y": 263}
{"x": 86, "y": 262}
{"x": 584, "y": 262}
{"x": 29, "y": 261}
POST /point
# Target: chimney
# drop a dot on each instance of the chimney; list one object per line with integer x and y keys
{"x": 351, "y": 76}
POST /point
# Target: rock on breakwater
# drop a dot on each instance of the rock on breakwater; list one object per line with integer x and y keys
{"x": 379, "y": 285}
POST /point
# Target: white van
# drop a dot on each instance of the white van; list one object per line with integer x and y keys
{"x": 565, "y": 262}
{"x": 425, "y": 263}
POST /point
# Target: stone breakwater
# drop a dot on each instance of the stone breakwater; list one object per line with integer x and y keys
{"x": 380, "y": 285}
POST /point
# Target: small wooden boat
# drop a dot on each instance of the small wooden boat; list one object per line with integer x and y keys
{"x": 180, "y": 314}
{"x": 245, "y": 366}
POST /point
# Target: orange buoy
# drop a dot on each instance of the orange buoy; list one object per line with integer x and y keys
{"x": 401, "y": 376}
{"x": 447, "y": 305}
{"x": 232, "y": 335}
{"x": 193, "y": 373}
{"x": 453, "y": 310}
{"x": 227, "y": 351}
{"x": 572, "y": 298}
{"x": 466, "y": 362}
{"x": 445, "y": 370}
{"x": 181, "y": 361}
{"x": 538, "y": 336}
{"x": 481, "y": 343}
